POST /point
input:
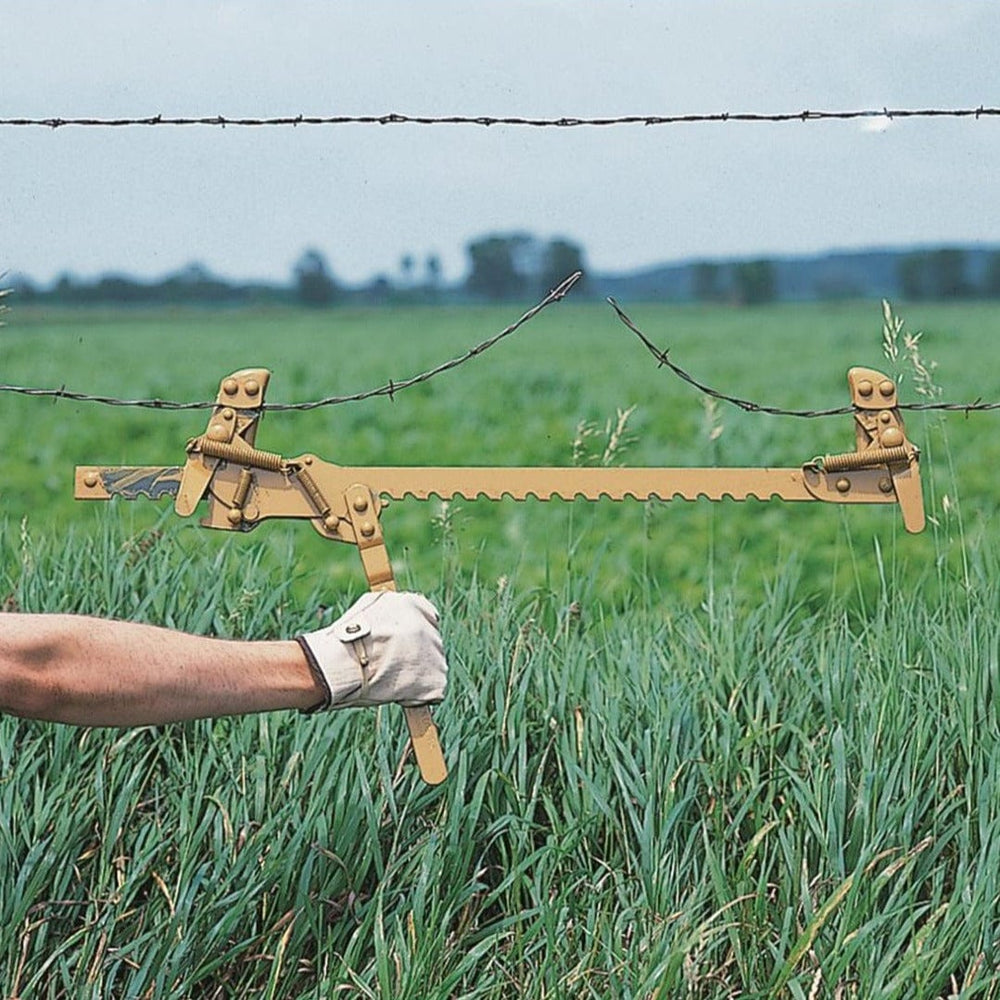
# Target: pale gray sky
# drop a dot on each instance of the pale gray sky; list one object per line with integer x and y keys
{"x": 247, "y": 201}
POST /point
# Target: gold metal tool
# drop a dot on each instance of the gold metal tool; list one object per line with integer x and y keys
{"x": 244, "y": 486}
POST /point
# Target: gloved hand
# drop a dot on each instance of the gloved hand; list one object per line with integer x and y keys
{"x": 385, "y": 648}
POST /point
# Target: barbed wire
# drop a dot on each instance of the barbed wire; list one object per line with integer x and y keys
{"x": 389, "y": 389}
{"x": 750, "y": 406}
{"x": 393, "y": 118}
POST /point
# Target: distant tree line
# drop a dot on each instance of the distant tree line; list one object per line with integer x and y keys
{"x": 519, "y": 266}
{"x": 945, "y": 274}
{"x": 745, "y": 283}
{"x": 501, "y": 267}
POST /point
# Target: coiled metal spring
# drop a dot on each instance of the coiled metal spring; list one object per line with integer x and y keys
{"x": 851, "y": 461}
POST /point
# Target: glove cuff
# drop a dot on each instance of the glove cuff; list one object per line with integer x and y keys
{"x": 338, "y": 656}
{"x": 324, "y": 702}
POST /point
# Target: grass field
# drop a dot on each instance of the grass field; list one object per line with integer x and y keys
{"x": 697, "y": 750}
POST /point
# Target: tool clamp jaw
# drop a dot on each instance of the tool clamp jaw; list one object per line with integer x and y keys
{"x": 884, "y": 464}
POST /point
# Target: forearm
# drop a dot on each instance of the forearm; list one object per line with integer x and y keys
{"x": 89, "y": 671}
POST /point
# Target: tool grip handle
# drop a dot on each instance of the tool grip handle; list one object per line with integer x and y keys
{"x": 363, "y": 509}
{"x": 423, "y": 732}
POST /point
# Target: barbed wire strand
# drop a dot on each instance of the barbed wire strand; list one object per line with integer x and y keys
{"x": 751, "y": 406}
{"x": 389, "y": 389}
{"x": 393, "y": 118}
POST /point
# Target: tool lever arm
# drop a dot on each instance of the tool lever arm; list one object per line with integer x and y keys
{"x": 363, "y": 507}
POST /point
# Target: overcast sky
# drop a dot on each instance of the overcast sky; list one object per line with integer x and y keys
{"x": 246, "y": 202}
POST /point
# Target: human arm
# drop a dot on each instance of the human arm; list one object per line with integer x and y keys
{"x": 93, "y": 672}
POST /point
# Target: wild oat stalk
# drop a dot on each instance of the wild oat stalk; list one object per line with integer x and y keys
{"x": 596, "y": 445}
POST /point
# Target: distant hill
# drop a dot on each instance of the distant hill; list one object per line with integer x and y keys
{"x": 836, "y": 275}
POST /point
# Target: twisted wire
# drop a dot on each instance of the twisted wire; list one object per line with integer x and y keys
{"x": 394, "y": 118}
{"x": 389, "y": 389}
{"x": 751, "y": 406}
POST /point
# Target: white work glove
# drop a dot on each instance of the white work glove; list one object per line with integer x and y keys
{"x": 385, "y": 648}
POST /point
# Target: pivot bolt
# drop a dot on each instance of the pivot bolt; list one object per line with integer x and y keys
{"x": 230, "y": 387}
{"x": 90, "y": 479}
{"x": 892, "y": 437}
{"x": 865, "y": 388}
{"x": 843, "y": 485}
{"x": 887, "y": 387}
{"x": 368, "y": 529}
{"x": 360, "y": 504}
{"x": 885, "y": 485}
{"x": 251, "y": 387}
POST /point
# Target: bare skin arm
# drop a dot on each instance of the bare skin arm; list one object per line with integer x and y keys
{"x": 93, "y": 672}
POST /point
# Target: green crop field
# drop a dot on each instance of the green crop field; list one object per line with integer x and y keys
{"x": 524, "y": 402}
{"x": 697, "y": 750}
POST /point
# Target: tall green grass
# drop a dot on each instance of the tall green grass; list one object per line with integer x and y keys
{"x": 696, "y": 750}
{"x": 734, "y": 799}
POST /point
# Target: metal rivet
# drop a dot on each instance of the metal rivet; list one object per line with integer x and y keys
{"x": 234, "y": 516}
{"x": 865, "y": 388}
{"x": 885, "y": 485}
{"x": 843, "y": 485}
{"x": 331, "y": 522}
{"x": 885, "y": 416}
{"x": 352, "y": 629}
{"x": 90, "y": 479}
{"x": 360, "y": 504}
{"x": 230, "y": 387}
{"x": 368, "y": 529}
{"x": 218, "y": 433}
{"x": 892, "y": 437}
{"x": 227, "y": 414}
{"x": 887, "y": 388}
{"x": 250, "y": 387}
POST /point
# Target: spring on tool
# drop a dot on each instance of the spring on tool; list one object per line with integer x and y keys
{"x": 241, "y": 454}
{"x": 865, "y": 459}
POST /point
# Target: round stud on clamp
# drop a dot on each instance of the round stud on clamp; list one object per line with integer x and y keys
{"x": 331, "y": 523}
{"x": 865, "y": 388}
{"x": 90, "y": 480}
{"x": 885, "y": 416}
{"x": 360, "y": 504}
{"x": 885, "y": 484}
{"x": 367, "y": 529}
{"x": 251, "y": 387}
{"x": 887, "y": 387}
{"x": 230, "y": 387}
{"x": 228, "y": 413}
{"x": 842, "y": 485}
{"x": 891, "y": 437}
{"x": 234, "y": 515}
